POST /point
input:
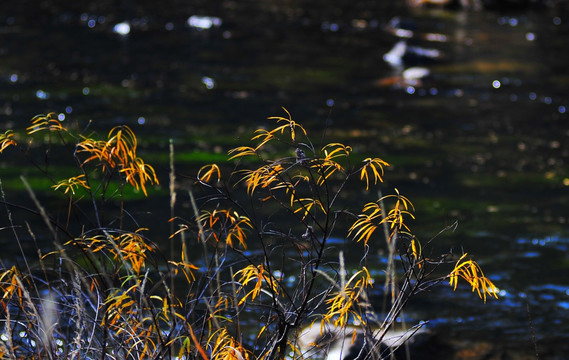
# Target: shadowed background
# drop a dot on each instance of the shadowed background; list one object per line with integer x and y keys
{"x": 479, "y": 136}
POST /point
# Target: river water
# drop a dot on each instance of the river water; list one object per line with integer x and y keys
{"x": 480, "y": 138}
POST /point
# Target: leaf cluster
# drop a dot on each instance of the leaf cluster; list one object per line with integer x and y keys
{"x": 255, "y": 255}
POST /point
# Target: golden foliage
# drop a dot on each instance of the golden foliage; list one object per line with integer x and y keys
{"x": 305, "y": 187}
{"x": 373, "y": 167}
{"x": 373, "y": 216}
{"x": 290, "y": 125}
{"x": 48, "y": 122}
{"x": 259, "y": 276}
{"x": 127, "y": 247}
{"x": 367, "y": 222}
{"x": 6, "y": 140}
{"x": 342, "y": 305}
{"x": 9, "y": 282}
{"x": 119, "y": 153}
{"x": 138, "y": 174}
{"x": 327, "y": 166}
{"x": 306, "y": 204}
{"x": 207, "y": 172}
{"x": 72, "y": 184}
{"x": 224, "y": 225}
{"x": 395, "y": 216}
{"x": 334, "y": 150}
{"x": 225, "y": 347}
{"x": 241, "y": 151}
{"x": 470, "y": 271}
{"x": 263, "y": 137}
{"x": 264, "y": 177}
{"x": 133, "y": 248}
{"x": 416, "y": 251}
{"x": 119, "y": 305}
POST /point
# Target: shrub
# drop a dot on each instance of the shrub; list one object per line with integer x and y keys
{"x": 269, "y": 235}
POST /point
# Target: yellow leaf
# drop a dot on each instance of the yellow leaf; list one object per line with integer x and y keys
{"x": 7, "y": 140}
{"x": 212, "y": 170}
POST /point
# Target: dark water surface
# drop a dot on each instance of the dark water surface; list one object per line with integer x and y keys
{"x": 483, "y": 139}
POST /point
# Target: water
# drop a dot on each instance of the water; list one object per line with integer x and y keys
{"x": 482, "y": 139}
